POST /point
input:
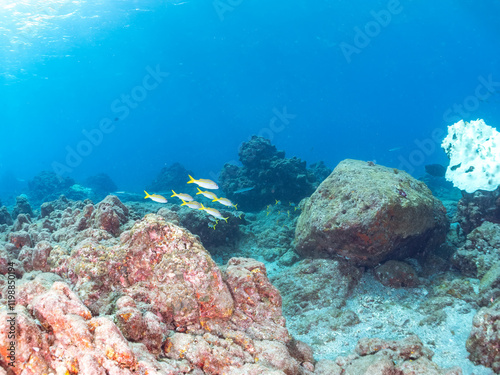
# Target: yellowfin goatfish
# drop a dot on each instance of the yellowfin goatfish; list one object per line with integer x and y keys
{"x": 207, "y": 184}
{"x": 213, "y": 212}
{"x": 207, "y": 194}
{"x": 225, "y": 202}
{"x": 182, "y": 197}
{"x": 155, "y": 197}
{"x": 192, "y": 204}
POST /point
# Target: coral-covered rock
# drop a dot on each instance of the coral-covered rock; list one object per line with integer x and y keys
{"x": 109, "y": 215}
{"x": 173, "y": 177}
{"x": 483, "y": 343}
{"x": 72, "y": 222}
{"x": 5, "y": 217}
{"x": 380, "y": 357}
{"x": 153, "y": 291}
{"x": 46, "y": 209}
{"x": 327, "y": 367}
{"x": 396, "y": 274}
{"x": 257, "y": 301}
{"x": 258, "y": 150}
{"x": 62, "y": 203}
{"x": 489, "y": 287}
{"x": 480, "y": 251}
{"x": 478, "y": 207}
{"x": 169, "y": 215}
{"x": 57, "y": 334}
{"x": 370, "y": 213}
{"x": 101, "y": 185}
{"x": 210, "y": 232}
{"x": 22, "y": 222}
{"x": 137, "y": 327}
{"x": 320, "y": 170}
{"x": 4, "y": 260}
{"x": 31, "y": 350}
{"x": 40, "y": 255}
{"x": 109, "y": 341}
{"x": 22, "y": 207}
{"x": 275, "y": 354}
{"x": 266, "y": 176}
{"x": 20, "y": 239}
{"x": 130, "y": 321}
{"x": 79, "y": 193}
{"x": 47, "y": 186}
{"x": 159, "y": 260}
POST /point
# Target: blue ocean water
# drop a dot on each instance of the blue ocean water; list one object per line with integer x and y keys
{"x": 127, "y": 87}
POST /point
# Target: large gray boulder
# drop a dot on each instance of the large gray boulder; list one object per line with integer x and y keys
{"x": 369, "y": 213}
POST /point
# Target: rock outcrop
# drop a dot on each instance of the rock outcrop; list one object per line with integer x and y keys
{"x": 369, "y": 213}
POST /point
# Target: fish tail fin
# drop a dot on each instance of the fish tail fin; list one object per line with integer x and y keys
{"x": 235, "y": 206}
{"x": 199, "y": 191}
{"x": 191, "y": 180}
{"x": 202, "y": 207}
{"x": 173, "y": 194}
{"x": 183, "y": 202}
{"x": 215, "y": 200}
{"x": 225, "y": 218}
{"x": 147, "y": 195}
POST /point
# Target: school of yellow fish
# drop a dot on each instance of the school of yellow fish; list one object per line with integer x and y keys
{"x": 189, "y": 201}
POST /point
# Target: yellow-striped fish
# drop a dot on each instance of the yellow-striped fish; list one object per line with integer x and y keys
{"x": 225, "y": 202}
{"x": 207, "y": 184}
{"x": 213, "y": 212}
{"x": 207, "y": 194}
{"x": 192, "y": 204}
{"x": 155, "y": 197}
{"x": 182, "y": 197}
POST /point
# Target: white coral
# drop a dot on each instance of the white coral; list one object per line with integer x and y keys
{"x": 474, "y": 152}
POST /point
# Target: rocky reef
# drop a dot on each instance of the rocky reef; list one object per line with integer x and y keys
{"x": 267, "y": 176}
{"x": 101, "y": 185}
{"x": 369, "y": 213}
{"x": 47, "y": 186}
{"x": 172, "y": 177}
{"x": 115, "y": 288}
{"x": 475, "y": 208}
{"x": 100, "y": 288}
{"x": 483, "y": 343}
{"x": 101, "y": 293}
{"x": 376, "y": 356}
{"x": 479, "y": 257}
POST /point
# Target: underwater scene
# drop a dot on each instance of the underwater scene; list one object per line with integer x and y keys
{"x": 249, "y": 187}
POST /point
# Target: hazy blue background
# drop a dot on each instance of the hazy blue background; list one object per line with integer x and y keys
{"x": 63, "y": 64}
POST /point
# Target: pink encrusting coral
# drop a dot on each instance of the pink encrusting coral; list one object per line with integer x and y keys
{"x": 102, "y": 290}
{"x": 145, "y": 297}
